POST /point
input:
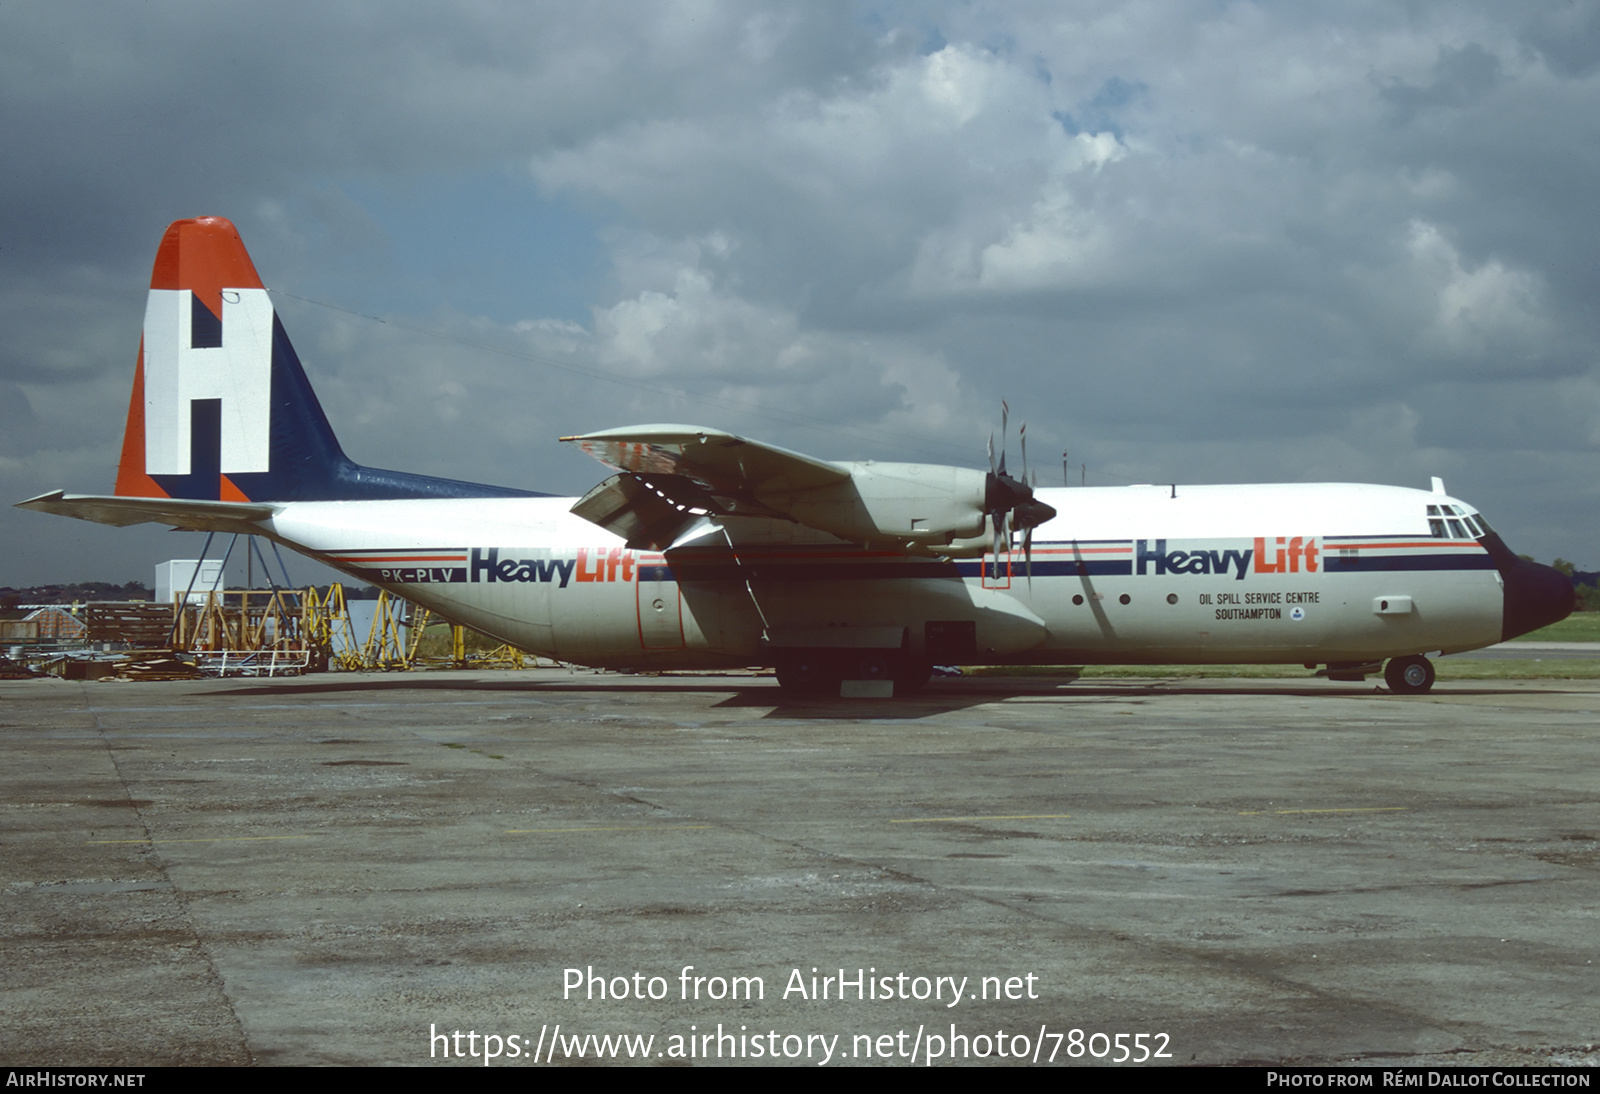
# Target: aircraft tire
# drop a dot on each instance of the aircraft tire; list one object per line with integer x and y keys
{"x": 875, "y": 666}
{"x": 1409, "y": 675}
{"x": 808, "y": 672}
{"x": 912, "y": 677}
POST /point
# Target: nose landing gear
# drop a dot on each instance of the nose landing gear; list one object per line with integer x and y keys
{"x": 1409, "y": 675}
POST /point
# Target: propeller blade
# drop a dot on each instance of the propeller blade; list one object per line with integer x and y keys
{"x": 1005, "y": 416}
{"x": 1010, "y": 503}
{"x": 997, "y": 519}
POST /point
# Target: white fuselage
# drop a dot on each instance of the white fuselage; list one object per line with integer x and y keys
{"x": 1192, "y": 574}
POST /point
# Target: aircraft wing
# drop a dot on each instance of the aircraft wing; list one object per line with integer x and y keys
{"x": 725, "y": 463}
{"x": 671, "y": 475}
{"x": 183, "y": 514}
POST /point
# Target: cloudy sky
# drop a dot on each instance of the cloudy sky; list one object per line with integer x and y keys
{"x": 1203, "y": 242}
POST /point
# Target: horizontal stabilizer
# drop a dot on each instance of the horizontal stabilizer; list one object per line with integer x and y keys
{"x": 182, "y": 514}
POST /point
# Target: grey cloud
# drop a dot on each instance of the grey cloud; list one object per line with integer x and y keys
{"x": 1460, "y": 77}
{"x": 1215, "y": 242}
{"x": 1566, "y": 35}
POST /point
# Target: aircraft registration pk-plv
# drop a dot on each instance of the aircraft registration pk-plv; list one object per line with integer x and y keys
{"x": 708, "y": 550}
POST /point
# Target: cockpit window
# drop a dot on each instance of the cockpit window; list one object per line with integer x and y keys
{"x": 1455, "y": 522}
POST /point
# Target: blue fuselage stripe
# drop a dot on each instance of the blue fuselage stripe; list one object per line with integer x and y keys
{"x": 1334, "y": 564}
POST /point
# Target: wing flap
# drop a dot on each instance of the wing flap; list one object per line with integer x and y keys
{"x": 628, "y": 506}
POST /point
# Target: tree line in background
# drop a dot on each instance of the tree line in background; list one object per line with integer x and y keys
{"x": 79, "y": 592}
{"x": 1585, "y": 582}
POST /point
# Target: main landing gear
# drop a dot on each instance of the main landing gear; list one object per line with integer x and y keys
{"x": 821, "y": 672}
{"x": 1409, "y": 675}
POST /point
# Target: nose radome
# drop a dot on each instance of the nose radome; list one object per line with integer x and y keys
{"x": 1535, "y": 596}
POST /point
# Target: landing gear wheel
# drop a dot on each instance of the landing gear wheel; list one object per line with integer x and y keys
{"x": 1409, "y": 675}
{"x": 912, "y": 677}
{"x": 875, "y": 666}
{"x": 906, "y": 673}
{"x": 809, "y": 674}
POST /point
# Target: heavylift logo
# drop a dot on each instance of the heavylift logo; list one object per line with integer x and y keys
{"x": 613, "y": 564}
{"x": 1281, "y": 558}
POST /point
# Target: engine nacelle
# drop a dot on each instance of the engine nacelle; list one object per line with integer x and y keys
{"x": 928, "y": 505}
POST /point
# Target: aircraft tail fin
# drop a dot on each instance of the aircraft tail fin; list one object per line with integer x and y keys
{"x": 221, "y": 407}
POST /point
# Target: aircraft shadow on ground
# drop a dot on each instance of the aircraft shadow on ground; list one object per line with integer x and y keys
{"x": 747, "y": 693}
{"x": 762, "y": 693}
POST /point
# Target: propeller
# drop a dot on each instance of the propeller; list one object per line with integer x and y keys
{"x": 1010, "y": 502}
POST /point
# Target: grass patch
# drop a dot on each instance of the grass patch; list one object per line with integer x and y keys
{"x": 1450, "y": 668}
{"x": 1577, "y": 627}
{"x": 1446, "y": 668}
{"x": 1092, "y": 672}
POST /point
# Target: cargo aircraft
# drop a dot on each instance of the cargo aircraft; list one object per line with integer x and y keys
{"x": 704, "y": 550}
